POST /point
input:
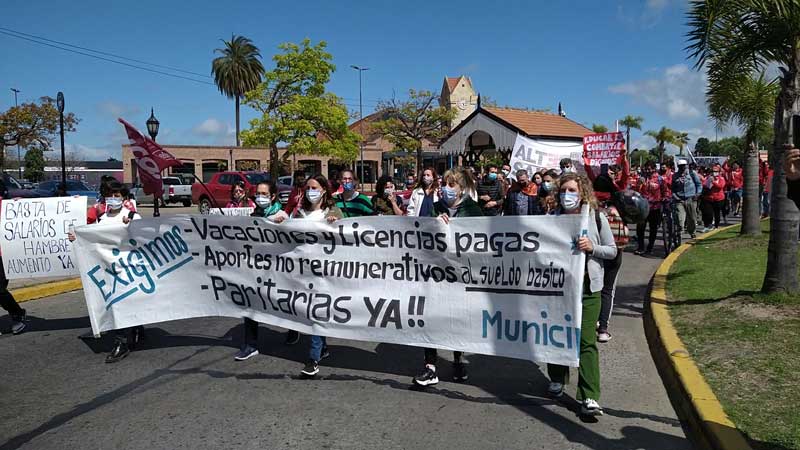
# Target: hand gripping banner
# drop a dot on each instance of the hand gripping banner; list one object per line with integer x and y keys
{"x": 508, "y": 286}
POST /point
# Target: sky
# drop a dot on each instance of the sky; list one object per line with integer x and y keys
{"x": 601, "y": 59}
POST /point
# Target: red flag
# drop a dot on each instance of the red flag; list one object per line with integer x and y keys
{"x": 151, "y": 159}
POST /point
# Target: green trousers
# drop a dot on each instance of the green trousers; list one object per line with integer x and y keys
{"x": 589, "y": 368}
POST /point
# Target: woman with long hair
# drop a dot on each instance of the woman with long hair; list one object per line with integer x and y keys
{"x": 425, "y": 194}
{"x": 385, "y": 201}
{"x": 239, "y": 197}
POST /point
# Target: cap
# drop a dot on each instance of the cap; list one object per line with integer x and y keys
{"x": 682, "y": 162}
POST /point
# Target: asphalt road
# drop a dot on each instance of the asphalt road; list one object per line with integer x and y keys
{"x": 184, "y": 390}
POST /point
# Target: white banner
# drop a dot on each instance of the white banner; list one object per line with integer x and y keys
{"x": 34, "y": 241}
{"x": 507, "y": 286}
{"x": 231, "y": 211}
{"x": 532, "y": 155}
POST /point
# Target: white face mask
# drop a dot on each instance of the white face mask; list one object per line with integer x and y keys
{"x": 263, "y": 201}
{"x": 313, "y": 195}
{"x": 114, "y": 203}
{"x": 389, "y": 192}
{"x": 427, "y": 180}
{"x": 570, "y": 200}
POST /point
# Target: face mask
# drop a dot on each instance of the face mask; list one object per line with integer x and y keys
{"x": 570, "y": 200}
{"x": 427, "y": 181}
{"x": 263, "y": 201}
{"x": 716, "y": 174}
{"x": 238, "y": 196}
{"x": 409, "y": 182}
{"x": 313, "y": 195}
{"x": 547, "y": 185}
{"x": 449, "y": 195}
{"x": 492, "y": 176}
{"x": 349, "y": 186}
{"x": 388, "y": 192}
{"x": 568, "y": 170}
{"x": 523, "y": 182}
{"x": 506, "y": 172}
{"x": 114, "y": 203}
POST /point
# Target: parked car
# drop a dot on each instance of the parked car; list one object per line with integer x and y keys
{"x": 217, "y": 192}
{"x": 74, "y": 187}
{"x": 284, "y": 186}
{"x": 15, "y": 189}
{"x": 175, "y": 191}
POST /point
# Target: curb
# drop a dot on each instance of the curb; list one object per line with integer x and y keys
{"x": 692, "y": 397}
{"x": 37, "y": 291}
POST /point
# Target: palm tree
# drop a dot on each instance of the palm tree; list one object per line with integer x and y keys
{"x": 597, "y": 128}
{"x": 663, "y": 137}
{"x": 750, "y": 103}
{"x": 237, "y": 71}
{"x": 682, "y": 140}
{"x": 744, "y": 36}
{"x": 631, "y": 122}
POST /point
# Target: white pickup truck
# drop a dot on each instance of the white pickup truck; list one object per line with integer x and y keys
{"x": 175, "y": 191}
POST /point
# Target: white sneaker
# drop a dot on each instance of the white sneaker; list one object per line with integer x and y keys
{"x": 590, "y": 407}
{"x": 603, "y": 337}
{"x": 705, "y": 230}
{"x": 555, "y": 389}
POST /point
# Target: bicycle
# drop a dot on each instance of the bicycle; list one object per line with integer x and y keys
{"x": 670, "y": 231}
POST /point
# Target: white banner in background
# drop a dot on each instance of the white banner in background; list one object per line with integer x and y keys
{"x": 508, "y": 286}
{"x": 34, "y": 241}
{"x": 532, "y": 155}
{"x": 230, "y": 211}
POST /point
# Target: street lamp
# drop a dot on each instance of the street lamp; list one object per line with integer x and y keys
{"x": 60, "y": 105}
{"x": 19, "y": 155}
{"x": 361, "y": 117}
{"x": 152, "y": 130}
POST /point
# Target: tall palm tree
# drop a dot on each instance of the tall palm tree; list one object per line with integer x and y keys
{"x": 631, "y": 122}
{"x": 744, "y": 36}
{"x": 597, "y": 128}
{"x": 237, "y": 71}
{"x": 750, "y": 103}
{"x": 681, "y": 140}
{"x": 663, "y": 137}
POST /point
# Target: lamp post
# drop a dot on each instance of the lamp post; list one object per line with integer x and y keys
{"x": 60, "y": 105}
{"x": 361, "y": 117}
{"x": 152, "y": 130}
{"x": 19, "y": 155}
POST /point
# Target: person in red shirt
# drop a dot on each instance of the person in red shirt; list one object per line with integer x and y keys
{"x": 298, "y": 191}
{"x": 736, "y": 179}
{"x": 652, "y": 187}
{"x": 713, "y": 198}
{"x": 765, "y": 183}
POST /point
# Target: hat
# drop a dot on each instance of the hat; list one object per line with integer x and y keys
{"x": 682, "y": 162}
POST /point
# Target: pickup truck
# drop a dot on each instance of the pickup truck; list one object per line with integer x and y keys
{"x": 175, "y": 191}
{"x": 218, "y": 193}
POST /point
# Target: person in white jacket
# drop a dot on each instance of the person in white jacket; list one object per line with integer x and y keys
{"x": 424, "y": 195}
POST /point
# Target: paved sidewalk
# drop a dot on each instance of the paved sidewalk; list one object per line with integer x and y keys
{"x": 184, "y": 390}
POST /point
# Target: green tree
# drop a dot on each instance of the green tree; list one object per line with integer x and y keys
{"x": 296, "y": 109}
{"x": 663, "y": 137}
{"x": 749, "y": 102}
{"x": 34, "y": 164}
{"x": 640, "y": 157}
{"x": 681, "y": 140}
{"x": 598, "y": 128}
{"x": 34, "y": 123}
{"x": 408, "y": 122}
{"x": 237, "y": 71}
{"x": 702, "y": 147}
{"x": 630, "y": 122}
{"x": 731, "y": 146}
{"x": 745, "y": 36}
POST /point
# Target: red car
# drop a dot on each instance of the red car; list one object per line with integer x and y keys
{"x": 218, "y": 192}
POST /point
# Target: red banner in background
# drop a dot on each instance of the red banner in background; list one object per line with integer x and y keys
{"x": 604, "y": 148}
{"x": 151, "y": 160}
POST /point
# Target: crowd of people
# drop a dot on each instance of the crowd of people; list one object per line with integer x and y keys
{"x": 709, "y": 194}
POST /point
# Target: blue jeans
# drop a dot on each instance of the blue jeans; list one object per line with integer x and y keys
{"x": 765, "y": 203}
{"x": 317, "y": 343}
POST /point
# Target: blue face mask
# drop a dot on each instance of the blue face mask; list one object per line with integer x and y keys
{"x": 449, "y": 195}
{"x": 349, "y": 186}
{"x": 570, "y": 200}
{"x": 547, "y": 185}
{"x": 113, "y": 203}
{"x": 492, "y": 176}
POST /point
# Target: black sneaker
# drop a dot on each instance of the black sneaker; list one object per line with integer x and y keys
{"x": 245, "y": 353}
{"x": 311, "y": 368}
{"x": 292, "y": 337}
{"x": 459, "y": 372}
{"x": 136, "y": 337}
{"x": 324, "y": 353}
{"x": 18, "y": 324}
{"x": 427, "y": 377}
{"x": 119, "y": 352}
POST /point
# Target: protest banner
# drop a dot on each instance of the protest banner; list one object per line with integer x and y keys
{"x": 34, "y": 242}
{"x": 708, "y": 161}
{"x": 231, "y": 211}
{"x": 533, "y": 155}
{"x": 604, "y": 148}
{"x": 507, "y": 286}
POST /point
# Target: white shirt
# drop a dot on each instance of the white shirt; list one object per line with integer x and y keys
{"x": 110, "y": 217}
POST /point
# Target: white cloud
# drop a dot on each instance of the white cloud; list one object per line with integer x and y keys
{"x": 85, "y": 153}
{"x": 641, "y": 16}
{"x": 116, "y": 110}
{"x": 678, "y": 91}
{"x": 212, "y": 127}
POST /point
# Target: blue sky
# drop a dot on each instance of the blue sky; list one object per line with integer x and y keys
{"x": 601, "y": 59}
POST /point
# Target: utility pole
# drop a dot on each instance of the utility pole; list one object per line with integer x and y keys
{"x": 19, "y": 155}
{"x": 361, "y": 118}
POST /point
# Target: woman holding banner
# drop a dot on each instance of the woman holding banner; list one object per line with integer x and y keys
{"x": 268, "y": 207}
{"x": 317, "y": 205}
{"x": 574, "y": 192}
{"x": 455, "y": 202}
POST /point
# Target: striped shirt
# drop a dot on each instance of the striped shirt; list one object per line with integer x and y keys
{"x": 358, "y": 206}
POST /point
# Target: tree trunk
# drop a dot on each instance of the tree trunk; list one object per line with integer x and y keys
{"x": 2, "y": 158}
{"x": 751, "y": 220}
{"x": 628, "y": 141}
{"x": 274, "y": 165}
{"x": 237, "y": 122}
{"x": 419, "y": 159}
{"x": 781, "y": 275}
